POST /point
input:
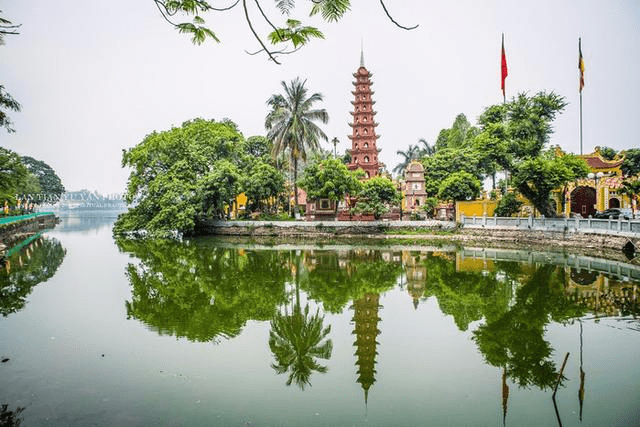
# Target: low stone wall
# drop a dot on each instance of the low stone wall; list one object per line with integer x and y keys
{"x": 417, "y": 231}
{"x": 17, "y": 231}
{"x": 317, "y": 228}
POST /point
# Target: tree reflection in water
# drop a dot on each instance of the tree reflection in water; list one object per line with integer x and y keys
{"x": 34, "y": 264}
{"x": 296, "y": 338}
{"x": 10, "y": 418}
{"x": 202, "y": 292}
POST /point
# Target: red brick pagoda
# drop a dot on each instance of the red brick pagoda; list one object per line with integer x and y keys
{"x": 364, "y": 153}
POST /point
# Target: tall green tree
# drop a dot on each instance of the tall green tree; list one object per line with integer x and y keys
{"x": 377, "y": 196}
{"x": 263, "y": 186}
{"x": 446, "y": 161}
{"x": 330, "y": 179}
{"x": 48, "y": 179}
{"x": 631, "y": 163}
{"x": 514, "y": 135}
{"x": 291, "y": 125}
{"x": 180, "y": 175}
{"x": 13, "y": 174}
{"x": 460, "y": 186}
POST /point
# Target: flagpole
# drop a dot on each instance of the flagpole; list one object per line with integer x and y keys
{"x": 580, "y": 122}
{"x": 581, "y": 69}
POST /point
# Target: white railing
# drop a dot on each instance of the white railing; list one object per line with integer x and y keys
{"x": 563, "y": 225}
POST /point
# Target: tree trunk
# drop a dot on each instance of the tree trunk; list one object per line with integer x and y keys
{"x": 295, "y": 187}
{"x": 544, "y": 206}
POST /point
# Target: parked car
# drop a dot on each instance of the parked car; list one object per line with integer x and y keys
{"x": 613, "y": 213}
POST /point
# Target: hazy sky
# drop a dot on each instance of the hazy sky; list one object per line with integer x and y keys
{"x": 95, "y": 76}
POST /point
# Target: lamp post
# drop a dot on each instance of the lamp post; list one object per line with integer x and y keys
{"x": 596, "y": 177}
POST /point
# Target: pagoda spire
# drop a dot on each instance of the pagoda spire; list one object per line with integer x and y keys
{"x": 364, "y": 152}
{"x": 361, "y": 53}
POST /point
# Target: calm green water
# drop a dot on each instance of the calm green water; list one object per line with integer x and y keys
{"x": 203, "y": 333}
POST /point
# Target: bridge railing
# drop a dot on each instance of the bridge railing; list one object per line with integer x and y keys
{"x": 570, "y": 225}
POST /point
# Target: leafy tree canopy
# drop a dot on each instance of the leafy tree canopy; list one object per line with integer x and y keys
{"x": 460, "y": 186}
{"x": 181, "y": 174}
{"x": 508, "y": 205}
{"x": 631, "y": 163}
{"x": 378, "y": 194}
{"x": 514, "y": 135}
{"x": 48, "y": 180}
{"x": 330, "y": 179}
{"x": 608, "y": 153}
{"x": 14, "y": 176}
{"x": 285, "y": 37}
{"x": 447, "y": 161}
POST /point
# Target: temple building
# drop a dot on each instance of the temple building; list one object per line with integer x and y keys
{"x": 600, "y": 190}
{"x": 364, "y": 152}
{"x": 414, "y": 187}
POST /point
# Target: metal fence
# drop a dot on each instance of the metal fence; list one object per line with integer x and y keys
{"x": 562, "y": 225}
{"x": 10, "y": 219}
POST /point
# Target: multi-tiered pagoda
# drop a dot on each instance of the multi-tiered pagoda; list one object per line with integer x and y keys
{"x": 364, "y": 153}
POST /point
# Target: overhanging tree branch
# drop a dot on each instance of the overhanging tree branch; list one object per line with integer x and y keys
{"x": 393, "y": 20}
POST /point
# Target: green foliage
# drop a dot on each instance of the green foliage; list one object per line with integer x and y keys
{"x": 447, "y": 161}
{"x": 513, "y": 137}
{"x": 179, "y": 175}
{"x": 459, "y": 135}
{"x": 429, "y": 206}
{"x": 608, "y": 153}
{"x": 631, "y": 163}
{"x": 294, "y": 32}
{"x": 508, "y": 205}
{"x": 49, "y": 181}
{"x": 338, "y": 278}
{"x": 263, "y": 186}
{"x": 414, "y": 152}
{"x": 330, "y": 179}
{"x": 14, "y": 176}
{"x": 7, "y": 102}
{"x": 460, "y": 186}
{"x": 199, "y": 292}
{"x": 377, "y": 196}
{"x": 20, "y": 278}
{"x": 296, "y": 341}
{"x": 514, "y": 340}
{"x": 291, "y": 125}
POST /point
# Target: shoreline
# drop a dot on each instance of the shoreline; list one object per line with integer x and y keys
{"x": 273, "y": 233}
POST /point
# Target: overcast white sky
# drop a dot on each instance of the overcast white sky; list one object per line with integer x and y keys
{"x": 94, "y": 77}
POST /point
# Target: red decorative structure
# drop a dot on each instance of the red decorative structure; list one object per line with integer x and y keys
{"x": 364, "y": 153}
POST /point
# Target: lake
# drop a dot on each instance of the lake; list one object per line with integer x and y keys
{"x": 205, "y": 332}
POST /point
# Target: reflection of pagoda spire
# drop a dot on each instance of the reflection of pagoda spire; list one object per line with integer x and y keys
{"x": 416, "y": 275}
{"x": 505, "y": 395}
{"x": 366, "y": 330}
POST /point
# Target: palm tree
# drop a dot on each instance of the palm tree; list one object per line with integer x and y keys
{"x": 414, "y": 152}
{"x": 291, "y": 125}
{"x": 296, "y": 339}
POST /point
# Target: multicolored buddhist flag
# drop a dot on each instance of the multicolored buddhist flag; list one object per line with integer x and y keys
{"x": 503, "y": 67}
{"x": 580, "y": 64}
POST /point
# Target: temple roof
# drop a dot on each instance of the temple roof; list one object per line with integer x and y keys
{"x": 597, "y": 162}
